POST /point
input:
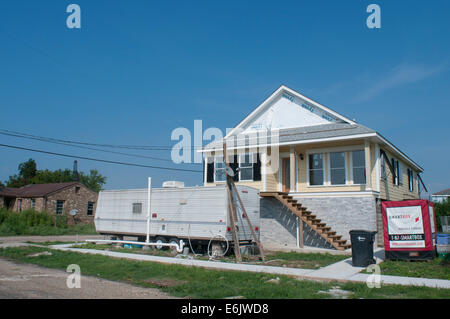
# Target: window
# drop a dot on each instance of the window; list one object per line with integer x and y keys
{"x": 19, "y": 205}
{"x": 315, "y": 162}
{"x": 337, "y": 168}
{"x": 410, "y": 180}
{"x": 137, "y": 208}
{"x": 359, "y": 167}
{"x": 383, "y": 167}
{"x": 59, "y": 207}
{"x": 77, "y": 189}
{"x": 397, "y": 179}
{"x": 33, "y": 203}
{"x": 219, "y": 169}
{"x": 246, "y": 167}
{"x": 90, "y": 208}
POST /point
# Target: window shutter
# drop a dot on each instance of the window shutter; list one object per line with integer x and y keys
{"x": 235, "y": 167}
{"x": 257, "y": 169}
{"x": 210, "y": 172}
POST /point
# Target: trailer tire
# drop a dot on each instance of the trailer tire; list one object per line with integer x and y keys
{"x": 160, "y": 240}
{"x": 174, "y": 241}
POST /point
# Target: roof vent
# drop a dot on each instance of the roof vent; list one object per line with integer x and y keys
{"x": 173, "y": 184}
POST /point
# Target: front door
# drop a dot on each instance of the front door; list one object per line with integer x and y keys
{"x": 286, "y": 175}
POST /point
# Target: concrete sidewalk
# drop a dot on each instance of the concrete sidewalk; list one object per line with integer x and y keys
{"x": 341, "y": 271}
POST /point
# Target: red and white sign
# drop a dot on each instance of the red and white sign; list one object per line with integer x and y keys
{"x": 409, "y": 225}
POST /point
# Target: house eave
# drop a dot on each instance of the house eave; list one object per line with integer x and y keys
{"x": 376, "y": 137}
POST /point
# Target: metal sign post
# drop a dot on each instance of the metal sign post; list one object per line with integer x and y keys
{"x": 149, "y": 207}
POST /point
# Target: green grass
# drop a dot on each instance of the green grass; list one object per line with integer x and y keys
{"x": 49, "y": 243}
{"x": 436, "y": 269}
{"x": 153, "y": 252}
{"x": 30, "y": 222}
{"x": 195, "y": 282}
{"x": 303, "y": 260}
{"x": 275, "y": 258}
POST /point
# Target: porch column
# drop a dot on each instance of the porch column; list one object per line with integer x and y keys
{"x": 368, "y": 165}
{"x": 292, "y": 168}
{"x": 263, "y": 159}
{"x": 293, "y": 188}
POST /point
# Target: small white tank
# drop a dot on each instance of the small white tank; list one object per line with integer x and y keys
{"x": 173, "y": 184}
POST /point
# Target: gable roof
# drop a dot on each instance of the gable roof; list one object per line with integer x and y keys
{"x": 445, "y": 192}
{"x": 279, "y": 92}
{"x": 36, "y": 190}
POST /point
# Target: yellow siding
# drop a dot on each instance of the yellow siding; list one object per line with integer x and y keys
{"x": 301, "y": 170}
{"x": 389, "y": 191}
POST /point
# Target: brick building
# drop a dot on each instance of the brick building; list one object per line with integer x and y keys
{"x": 54, "y": 198}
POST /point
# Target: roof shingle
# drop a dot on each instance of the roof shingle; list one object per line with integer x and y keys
{"x": 34, "y": 190}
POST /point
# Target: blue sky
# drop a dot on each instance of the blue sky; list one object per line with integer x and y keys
{"x": 136, "y": 70}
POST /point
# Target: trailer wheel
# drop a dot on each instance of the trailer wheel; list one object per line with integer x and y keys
{"x": 160, "y": 240}
{"x": 174, "y": 241}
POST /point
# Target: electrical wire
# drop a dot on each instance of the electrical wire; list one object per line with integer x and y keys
{"x": 100, "y": 160}
{"x": 90, "y": 148}
{"x": 135, "y": 147}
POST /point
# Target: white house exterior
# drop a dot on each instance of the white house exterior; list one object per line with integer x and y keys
{"x": 441, "y": 196}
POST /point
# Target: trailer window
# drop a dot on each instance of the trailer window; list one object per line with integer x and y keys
{"x": 137, "y": 208}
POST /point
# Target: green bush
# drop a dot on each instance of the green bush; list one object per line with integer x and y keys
{"x": 441, "y": 209}
{"x": 31, "y": 222}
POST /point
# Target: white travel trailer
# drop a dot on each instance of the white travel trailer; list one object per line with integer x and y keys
{"x": 193, "y": 214}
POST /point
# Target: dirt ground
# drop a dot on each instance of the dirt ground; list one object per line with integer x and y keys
{"x": 40, "y": 239}
{"x": 30, "y": 281}
{"x": 24, "y": 281}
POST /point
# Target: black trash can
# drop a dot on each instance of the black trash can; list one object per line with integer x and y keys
{"x": 362, "y": 247}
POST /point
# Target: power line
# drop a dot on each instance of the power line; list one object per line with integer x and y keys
{"x": 100, "y": 160}
{"x": 135, "y": 147}
{"x": 43, "y": 139}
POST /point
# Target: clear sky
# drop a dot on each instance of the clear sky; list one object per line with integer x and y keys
{"x": 136, "y": 70}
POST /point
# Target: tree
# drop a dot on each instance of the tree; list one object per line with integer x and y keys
{"x": 29, "y": 174}
{"x": 58, "y": 176}
{"x": 93, "y": 181}
{"x": 27, "y": 171}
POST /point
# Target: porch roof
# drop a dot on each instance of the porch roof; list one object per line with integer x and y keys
{"x": 292, "y": 135}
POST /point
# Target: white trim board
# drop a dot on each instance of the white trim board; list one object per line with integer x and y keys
{"x": 376, "y": 136}
{"x": 334, "y": 194}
